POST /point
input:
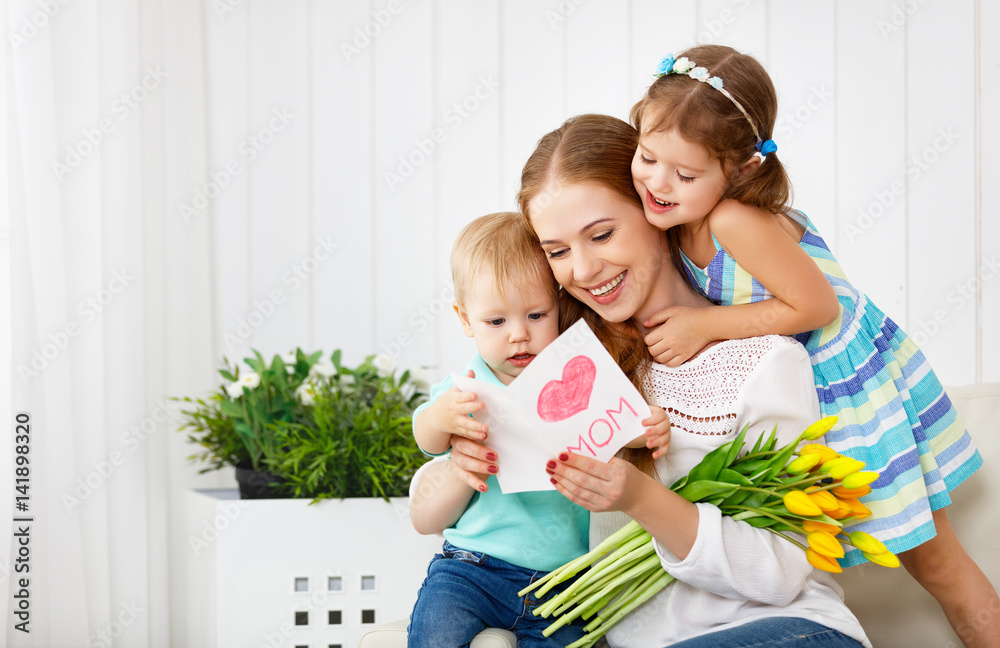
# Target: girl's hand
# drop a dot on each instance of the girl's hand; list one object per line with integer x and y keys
{"x": 657, "y": 431}
{"x": 472, "y": 462}
{"x": 678, "y": 335}
{"x": 595, "y": 485}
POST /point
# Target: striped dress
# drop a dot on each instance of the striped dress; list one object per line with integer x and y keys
{"x": 893, "y": 413}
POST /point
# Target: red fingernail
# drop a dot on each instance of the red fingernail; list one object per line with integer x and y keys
{"x": 550, "y": 464}
{"x": 492, "y": 470}
{"x": 549, "y": 471}
{"x": 482, "y": 488}
{"x": 491, "y": 456}
{"x": 552, "y": 480}
{"x": 563, "y": 457}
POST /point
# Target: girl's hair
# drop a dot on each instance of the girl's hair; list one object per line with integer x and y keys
{"x": 503, "y": 246}
{"x": 705, "y": 116}
{"x": 596, "y": 149}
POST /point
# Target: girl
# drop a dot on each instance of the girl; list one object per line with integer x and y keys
{"x": 707, "y": 171}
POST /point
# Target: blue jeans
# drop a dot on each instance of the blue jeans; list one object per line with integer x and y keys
{"x": 467, "y": 591}
{"x": 777, "y": 632}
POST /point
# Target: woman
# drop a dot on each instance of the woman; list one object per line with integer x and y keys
{"x": 737, "y": 585}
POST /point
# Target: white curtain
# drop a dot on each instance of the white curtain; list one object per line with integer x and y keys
{"x": 108, "y": 313}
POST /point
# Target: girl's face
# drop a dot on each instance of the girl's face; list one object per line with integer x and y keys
{"x": 602, "y": 250}
{"x": 678, "y": 180}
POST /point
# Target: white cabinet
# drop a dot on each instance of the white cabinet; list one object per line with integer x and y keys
{"x": 276, "y": 573}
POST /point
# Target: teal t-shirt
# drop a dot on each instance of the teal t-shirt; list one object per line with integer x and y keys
{"x": 537, "y": 530}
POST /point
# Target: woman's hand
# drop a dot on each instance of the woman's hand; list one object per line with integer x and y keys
{"x": 472, "y": 462}
{"x": 595, "y": 485}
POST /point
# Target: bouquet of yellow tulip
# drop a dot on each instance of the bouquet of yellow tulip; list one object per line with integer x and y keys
{"x": 810, "y": 490}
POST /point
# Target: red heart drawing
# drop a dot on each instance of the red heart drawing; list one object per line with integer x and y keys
{"x": 561, "y": 399}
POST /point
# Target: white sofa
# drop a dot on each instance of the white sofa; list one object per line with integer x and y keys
{"x": 892, "y": 607}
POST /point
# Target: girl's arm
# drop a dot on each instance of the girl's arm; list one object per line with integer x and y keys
{"x": 803, "y": 297}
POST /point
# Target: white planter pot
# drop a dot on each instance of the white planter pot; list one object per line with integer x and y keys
{"x": 272, "y": 573}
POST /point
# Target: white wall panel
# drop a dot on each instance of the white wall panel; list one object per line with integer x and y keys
{"x": 941, "y": 188}
{"x": 281, "y": 241}
{"x": 988, "y": 176}
{"x": 871, "y": 155}
{"x": 468, "y": 173}
{"x": 342, "y": 179}
{"x": 741, "y": 24}
{"x": 360, "y": 167}
{"x": 597, "y": 57}
{"x": 802, "y": 64}
{"x": 533, "y": 97}
{"x": 227, "y": 208}
{"x": 405, "y": 114}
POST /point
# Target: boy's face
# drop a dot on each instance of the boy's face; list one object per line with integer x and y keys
{"x": 509, "y": 332}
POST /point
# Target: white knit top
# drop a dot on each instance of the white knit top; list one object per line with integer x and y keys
{"x": 734, "y": 573}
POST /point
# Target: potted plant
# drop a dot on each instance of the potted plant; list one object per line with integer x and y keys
{"x": 319, "y": 545}
{"x": 307, "y": 426}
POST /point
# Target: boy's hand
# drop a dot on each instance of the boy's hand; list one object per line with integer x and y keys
{"x": 452, "y": 416}
{"x": 657, "y": 432}
{"x": 678, "y": 335}
{"x": 434, "y": 427}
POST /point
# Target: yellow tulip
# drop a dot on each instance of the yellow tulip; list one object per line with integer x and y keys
{"x": 800, "y": 504}
{"x": 804, "y": 463}
{"x": 825, "y": 453}
{"x": 843, "y": 510}
{"x": 845, "y": 468}
{"x": 819, "y": 428}
{"x": 859, "y": 479}
{"x": 851, "y": 493}
{"x": 819, "y": 561}
{"x": 830, "y": 464}
{"x": 858, "y": 510}
{"x": 887, "y": 559}
{"x": 824, "y": 499}
{"x": 825, "y": 544}
{"x": 812, "y": 525}
{"x": 867, "y": 544}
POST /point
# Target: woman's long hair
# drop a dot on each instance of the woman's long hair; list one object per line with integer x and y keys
{"x": 595, "y": 149}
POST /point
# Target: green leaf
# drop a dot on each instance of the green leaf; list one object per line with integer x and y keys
{"x": 736, "y": 445}
{"x": 696, "y": 491}
{"x": 710, "y": 466}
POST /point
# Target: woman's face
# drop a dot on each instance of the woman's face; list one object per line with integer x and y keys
{"x": 602, "y": 250}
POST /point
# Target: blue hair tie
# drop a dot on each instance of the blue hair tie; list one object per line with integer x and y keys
{"x": 765, "y": 147}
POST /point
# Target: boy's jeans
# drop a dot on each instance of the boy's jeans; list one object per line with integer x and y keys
{"x": 466, "y": 592}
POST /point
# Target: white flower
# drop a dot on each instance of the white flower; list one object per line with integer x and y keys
{"x": 699, "y": 73}
{"x": 249, "y": 380}
{"x": 306, "y": 393}
{"x": 682, "y": 65}
{"x": 384, "y": 365}
{"x": 346, "y": 378}
{"x": 420, "y": 378}
{"x": 323, "y": 368}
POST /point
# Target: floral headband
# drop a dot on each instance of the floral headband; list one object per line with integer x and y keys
{"x": 687, "y": 67}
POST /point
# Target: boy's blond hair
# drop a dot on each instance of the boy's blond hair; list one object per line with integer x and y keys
{"x": 502, "y": 245}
